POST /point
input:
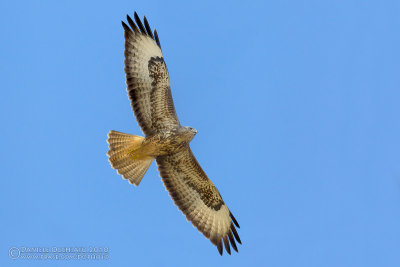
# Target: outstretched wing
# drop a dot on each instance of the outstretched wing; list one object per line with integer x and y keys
{"x": 147, "y": 78}
{"x": 198, "y": 198}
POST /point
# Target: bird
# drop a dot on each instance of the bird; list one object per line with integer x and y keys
{"x": 166, "y": 141}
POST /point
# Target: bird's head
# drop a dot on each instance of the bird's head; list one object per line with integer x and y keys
{"x": 190, "y": 132}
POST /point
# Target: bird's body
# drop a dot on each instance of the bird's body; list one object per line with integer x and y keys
{"x": 166, "y": 143}
{"x": 165, "y": 140}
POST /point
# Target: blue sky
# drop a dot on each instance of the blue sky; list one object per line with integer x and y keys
{"x": 297, "y": 109}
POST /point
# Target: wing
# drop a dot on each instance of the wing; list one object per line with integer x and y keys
{"x": 198, "y": 198}
{"x": 147, "y": 78}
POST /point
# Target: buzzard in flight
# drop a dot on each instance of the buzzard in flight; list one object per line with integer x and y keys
{"x": 165, "y": 140}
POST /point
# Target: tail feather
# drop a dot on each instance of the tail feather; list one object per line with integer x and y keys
{"x": 121, "y": 146}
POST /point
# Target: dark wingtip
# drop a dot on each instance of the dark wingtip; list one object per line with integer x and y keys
{"x": 219, "y": 246}
{"x": 234, "y": 220}
{"x": 135, "y": 15}
{"x": 232, "y": 240}
{"x": 235, "y": 234}
{"x": 226, "y": 244}
{"x": 139, "y": 28}
{"x": 156, "y": 38}
{"x": 126, "y": 28}
{"x": 148, "y": 29}
{"x": 132, "y": 24}
{"x": 139, "y": 23}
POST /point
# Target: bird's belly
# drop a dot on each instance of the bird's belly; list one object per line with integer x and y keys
{"x": 162, "y": 145}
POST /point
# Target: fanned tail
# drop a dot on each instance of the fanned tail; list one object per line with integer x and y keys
{"x": 122, "y": 158}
